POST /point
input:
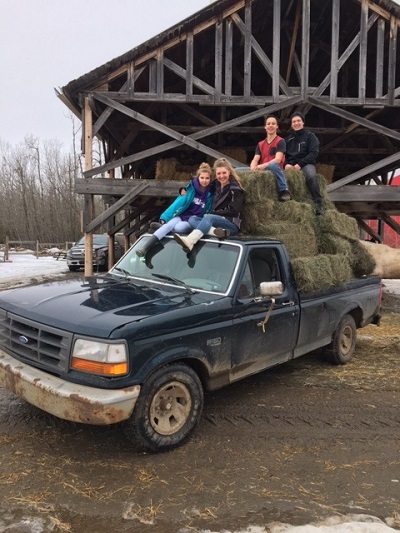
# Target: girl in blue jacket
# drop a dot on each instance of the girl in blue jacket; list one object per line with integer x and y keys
{"x": 196, "y": 202}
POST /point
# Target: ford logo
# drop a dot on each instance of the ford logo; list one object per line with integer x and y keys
{"x": 23, "y": 339}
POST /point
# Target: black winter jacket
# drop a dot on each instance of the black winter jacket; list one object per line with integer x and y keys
{"x": 228, "y": 203}
{"x": 302, "y": 148}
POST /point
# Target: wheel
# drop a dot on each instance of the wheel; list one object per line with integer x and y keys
{"x": 344, "y": 341}
{"x": 73, "y": 268}
{"x": 168, "y": 408}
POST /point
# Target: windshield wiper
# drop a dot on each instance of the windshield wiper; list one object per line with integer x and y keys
{"x": 175, "y": 281}
{"x": 127, "y": 274}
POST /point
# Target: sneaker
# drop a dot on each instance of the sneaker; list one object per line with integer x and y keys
{"x": 285, "y": 196}
{"x": 221, "y": 233}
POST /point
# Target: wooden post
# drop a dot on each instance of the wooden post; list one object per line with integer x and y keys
{"x": 89, "y": 204}
{"x": 6, "y": 250}
{"x": 111, "y": 254}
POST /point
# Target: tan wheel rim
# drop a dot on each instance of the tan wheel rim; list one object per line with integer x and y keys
{"x": 346, "y": 340}
{"x": 170, "y": 408}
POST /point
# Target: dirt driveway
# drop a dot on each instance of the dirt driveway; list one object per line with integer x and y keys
{"x": 299, "y": 442}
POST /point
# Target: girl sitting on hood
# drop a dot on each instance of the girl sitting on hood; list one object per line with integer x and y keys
{"x": 224, "y": 218}
{"x": 196, "y": 201}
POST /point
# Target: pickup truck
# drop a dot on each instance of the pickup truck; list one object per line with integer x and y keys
{"x": 142, "y": 343}
{"x": 76, "y": 254}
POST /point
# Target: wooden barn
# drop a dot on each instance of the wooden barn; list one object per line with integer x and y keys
{"x": 199, "y": 91}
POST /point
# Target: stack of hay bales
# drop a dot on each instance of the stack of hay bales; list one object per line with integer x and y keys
{"x": 171, "y": 169}
{"x": 324, "y": 250}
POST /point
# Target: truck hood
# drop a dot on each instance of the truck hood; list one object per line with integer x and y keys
{"x": 96, "y": 307}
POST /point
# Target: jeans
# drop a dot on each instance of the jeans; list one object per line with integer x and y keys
{"x": 310, "y": 173}
{"x": 174, "y": 225}
{"x": 276, "y": 170}
{"x": 205, "y": 223}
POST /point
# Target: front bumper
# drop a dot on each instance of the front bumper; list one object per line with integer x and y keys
{"x": 63, "y": 399}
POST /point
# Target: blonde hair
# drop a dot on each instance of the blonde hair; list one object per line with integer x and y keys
{"x": 222, "y": 162}
{"x": 204, "y": 167}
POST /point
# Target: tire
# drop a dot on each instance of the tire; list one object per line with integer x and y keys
{"x": 344, "y": 341}
{"x": 168, "y": 409}
{"x": 73, "y": 268}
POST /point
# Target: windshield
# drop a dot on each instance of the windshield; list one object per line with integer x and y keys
{"x": 210, "y": 266}
{"x": 98, "y": 240}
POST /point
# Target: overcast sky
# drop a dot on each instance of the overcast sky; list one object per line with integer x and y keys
{"x": 48, "y": 43}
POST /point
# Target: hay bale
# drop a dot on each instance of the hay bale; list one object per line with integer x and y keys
{"x": 341, "y": 269}
{"x": 299, "y": 240}
{"x": 326, "y": 170}
{"x": 338, "y": 224}
{"x": 295, "y": 212}
{"x": 361, "y": 261}
{"x": 255, "y": 214}
{"x": 297, "y": 186}
{"x": 320, "y": 272}
{"x": 259, "y": 186}
{"x": 166, "y": 168}
{"x": 235, "y": 153}
{"x": 312, "y": 273}
{"x": 333, "y": 244}
{"x": 183, "y": 176}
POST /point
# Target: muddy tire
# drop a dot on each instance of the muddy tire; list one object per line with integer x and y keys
{"x": 168, "y": 409}
{"x": 344, "y": 341}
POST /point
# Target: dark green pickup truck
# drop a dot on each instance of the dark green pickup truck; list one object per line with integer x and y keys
{"x": 141, "y": 343}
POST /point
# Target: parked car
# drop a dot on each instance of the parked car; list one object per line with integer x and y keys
{"x": 76, "y": 254}
{"x": 142, "y": 342}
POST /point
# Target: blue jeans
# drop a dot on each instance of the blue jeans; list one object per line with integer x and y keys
{"x": 174, "y": 225}
{"x": 310, "y": 173}
{"x": 276, "y": 170}
{"x": 204, "y": 224}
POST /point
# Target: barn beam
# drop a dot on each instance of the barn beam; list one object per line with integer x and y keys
{"x": 205, "y": 133}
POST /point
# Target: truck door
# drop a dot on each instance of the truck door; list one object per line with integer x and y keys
{"x": 256, "y": 347}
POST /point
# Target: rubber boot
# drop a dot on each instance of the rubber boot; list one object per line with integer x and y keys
{"x": 154, "y": 226}
{"x": 154, "y": 250}
{"x": 219, "y": 232}
{"x": 142, "y": 251}
{"x": 189, "y": 241}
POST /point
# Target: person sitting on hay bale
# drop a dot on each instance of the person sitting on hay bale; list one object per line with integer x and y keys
{"x": 270, "y": 155}
{"x": 302, "y": 148}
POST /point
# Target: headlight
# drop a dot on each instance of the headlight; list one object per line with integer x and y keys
{"x": 105, "y": 358}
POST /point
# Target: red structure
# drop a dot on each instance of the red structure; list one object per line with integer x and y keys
{"x": 390, "y": 237}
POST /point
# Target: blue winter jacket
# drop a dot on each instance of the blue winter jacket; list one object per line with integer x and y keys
{"x": 182, "y": 202}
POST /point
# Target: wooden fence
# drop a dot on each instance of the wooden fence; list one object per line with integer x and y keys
{"x": 34, "y": 247}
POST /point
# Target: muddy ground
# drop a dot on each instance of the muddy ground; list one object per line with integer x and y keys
{"x": 294, "y": 444}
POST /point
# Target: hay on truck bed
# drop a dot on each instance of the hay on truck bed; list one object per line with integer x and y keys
{"x": 324, "y": 251}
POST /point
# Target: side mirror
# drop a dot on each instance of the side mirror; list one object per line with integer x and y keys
{"x": 271, "y": 288}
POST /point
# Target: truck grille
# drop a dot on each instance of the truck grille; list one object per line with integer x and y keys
{"x": 30, "y": 341}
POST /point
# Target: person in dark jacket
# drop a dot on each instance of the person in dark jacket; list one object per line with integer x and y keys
{"x": 196, "y": 199}
{"x": 302, "y": 148}
{"x": 225, "y": 216}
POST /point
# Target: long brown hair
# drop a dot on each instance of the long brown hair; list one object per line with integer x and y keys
{"x": 222, "y": 162}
